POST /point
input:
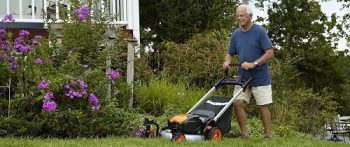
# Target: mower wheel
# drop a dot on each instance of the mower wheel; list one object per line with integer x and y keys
{"x": 214, "y": 134}
{"x": 179, "y": 138}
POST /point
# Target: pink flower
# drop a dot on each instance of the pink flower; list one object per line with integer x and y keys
{"x": 93, "y": 99}
{"x": 50, "y": 106}
{"x": 48, "y": 96}
{"x": 113, "y": 74}
{"x": 8, "y": 18}
{"x": 43, "y": 85}
{"x": 38, "y": 61}
{"x": 83, "y": 12}
{"x": 74, "y": 92}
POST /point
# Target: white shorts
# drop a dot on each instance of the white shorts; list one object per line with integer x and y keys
{"x": 262, "y": 94}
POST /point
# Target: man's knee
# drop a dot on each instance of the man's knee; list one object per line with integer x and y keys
{"x": 264, "y": 107}
{"x": 238, "y": 104}
{"x": 264, "y": 110}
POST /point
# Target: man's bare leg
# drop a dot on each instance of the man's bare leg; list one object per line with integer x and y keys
{"x": 266, "y": 119}
{"x": 241, "y": 117}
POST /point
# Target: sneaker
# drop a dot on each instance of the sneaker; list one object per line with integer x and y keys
{"x": 267, "y": 136}
{"x": 245, "y": 135}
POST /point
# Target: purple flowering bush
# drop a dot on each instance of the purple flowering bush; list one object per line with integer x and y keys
{"x": 14, "y": 51}
{"x": 61, "y": 90}
{"x": 18, "y": 51}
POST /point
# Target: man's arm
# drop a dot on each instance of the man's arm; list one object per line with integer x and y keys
{"x": 263, "y": 59}
{"x": 227, "y": 62}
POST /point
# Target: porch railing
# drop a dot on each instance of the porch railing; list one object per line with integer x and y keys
{"x": 34, "y": 10}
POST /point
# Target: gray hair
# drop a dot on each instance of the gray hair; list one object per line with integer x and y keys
{"x": 249, "y": 11}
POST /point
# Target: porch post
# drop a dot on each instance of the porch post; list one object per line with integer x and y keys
{"x": 130, "y": 69}
{"x": 110, "y": 45}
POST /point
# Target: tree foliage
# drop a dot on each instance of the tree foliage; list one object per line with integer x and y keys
{"x": 198, "y": 61}
{"x": 344, "y": 29}
{"x": 302, "y": 35}
{"x": 178, "y": 20}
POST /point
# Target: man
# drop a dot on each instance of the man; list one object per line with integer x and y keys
{"x": 254, "y": 49}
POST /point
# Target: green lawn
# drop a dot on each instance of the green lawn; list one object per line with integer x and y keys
{"x": 119, "y": 141}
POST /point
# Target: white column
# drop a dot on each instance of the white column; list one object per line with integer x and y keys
{"x": 8, "y": 6}
{"x": 45, "y": 14}
{"x": 44, "y": 7}
{"x": 118, "y": 11}
{"x": 129, "y": 13}
{"x": 125, "y": 10}
{"x": 57, "y": 11}
{"x": 33, "y": 10}
{"x": 133, "y": 20}
{"x": 136, "y": 24}
{"x": 20, "y": 9}
{"x": 113, "y": 10}
{"x": 92, "y": 11}
{"x": 102, "y": 7}
{"x": 68, "y": 8}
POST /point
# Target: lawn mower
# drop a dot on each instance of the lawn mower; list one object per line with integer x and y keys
{"x": 208, "y": 119}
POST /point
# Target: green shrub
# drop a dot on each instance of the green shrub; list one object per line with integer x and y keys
{"x": 294, "y": 104}
{"x": 71, "y": 123}
{"x": 3, "y": 106}
{"x": 154, "y": 97}
{"x": 198, "y": 62}
{"x": 256, "y": 129}
{"x": 13, "y": 126}
{"x": 285, "y": 131}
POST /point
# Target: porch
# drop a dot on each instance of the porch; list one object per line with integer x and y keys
{"x": 38, "y": 14}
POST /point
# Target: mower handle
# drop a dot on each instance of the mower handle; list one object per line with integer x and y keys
{"x": 230, "y": 65}
{"x": 228, "y": 81}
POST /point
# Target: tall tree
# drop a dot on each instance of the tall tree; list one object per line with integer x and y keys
{"x": 344, "y": 29}
{"x": 178, "y": 20}
{"x": 300, "y": 32}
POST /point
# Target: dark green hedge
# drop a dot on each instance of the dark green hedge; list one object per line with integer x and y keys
{"x": 70, "y": 123}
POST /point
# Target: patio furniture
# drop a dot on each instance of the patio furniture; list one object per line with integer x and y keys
{"x": 340, "y": 127}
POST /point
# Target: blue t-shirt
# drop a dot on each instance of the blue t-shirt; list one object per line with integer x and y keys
{"x": 250, "y": 46}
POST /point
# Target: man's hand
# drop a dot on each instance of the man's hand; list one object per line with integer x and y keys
{"x": 225, "y": 65}
{"x": 247, "y": 65}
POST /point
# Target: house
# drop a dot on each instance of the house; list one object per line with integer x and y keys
{"x": 31, "y": 14}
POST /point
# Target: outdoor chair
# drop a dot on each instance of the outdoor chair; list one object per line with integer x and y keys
{"x": 338, "y": 128}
